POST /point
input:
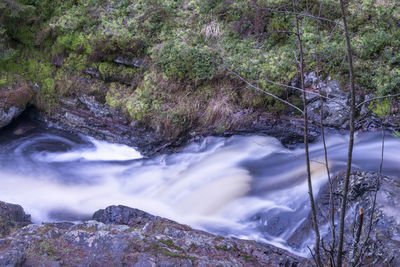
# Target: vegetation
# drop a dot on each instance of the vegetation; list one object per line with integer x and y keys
{"x": 182, "y": 47}
{"x": 177, "y": 63}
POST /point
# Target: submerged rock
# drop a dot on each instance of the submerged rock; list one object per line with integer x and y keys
{"x": 383, "y": 245}
{"x": 134, "y": 238}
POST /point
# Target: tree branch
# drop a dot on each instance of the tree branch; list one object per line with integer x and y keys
{"x": 260, "y": 90}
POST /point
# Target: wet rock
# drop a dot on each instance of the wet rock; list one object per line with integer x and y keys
{"x": 7, "y": 115}
{"x": 128, "y": 241}
{"x": 93, "y": 73}
{"x": 384, "y": 242}
{"x": 84, "y": 114}
{"x": 335, "y": 104}
{"x": 12, "y": 258}
{"x": 12, "y": 217}
{"x": 288, "y": 130}
{"x": 131, "y": 62}
{"x": 13, "y": 103}
{"x": 123, "y": 215}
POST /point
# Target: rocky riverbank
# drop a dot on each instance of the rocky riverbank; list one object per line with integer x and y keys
{"x": 122, "y": 236}
{"x": 382, "y": 245}
{"x": 86, "y": 114}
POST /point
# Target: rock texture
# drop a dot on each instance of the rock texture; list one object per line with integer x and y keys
{"x": 13, "y": 103}
{"x": 84, "y": 114}
{"x": 12, "y": 217}
{"x": 122, "y": 236}
{"x": 334, "y": 104}
{"x": 383, "y": 246}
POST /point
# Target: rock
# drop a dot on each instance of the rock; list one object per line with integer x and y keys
{"x": 84, "y": 114}
{"x": 128, "y": 241}
{"x": 13, "y": 103}
{"x": 6, "y": 116}
{"x": 93, "y": 73}
{"x": 131, "y": 62}
{"x": 288, "y": 130}
{"x": 12, "y": 217}
{"x": 12, "y": 258}
{"x": 335, "y": 105}
{"x": 123, "y": 215}
{"x": 384, "y": 244}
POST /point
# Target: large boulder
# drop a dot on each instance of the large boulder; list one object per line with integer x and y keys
{"x": 13, "y": 103}
{"x": 12, "y": 217}
{"x": 382, "y": 246}
{"x": 335, "y": 108}
{"x": 134, "y": 238}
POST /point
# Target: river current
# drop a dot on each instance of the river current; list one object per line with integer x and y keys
{"x": 249, "y": 187}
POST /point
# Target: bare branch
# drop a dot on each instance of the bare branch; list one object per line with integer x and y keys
{"x": 305, "y": 115}
{"x": 377, "y": 98}
{"x": 261, "y": 90}
{"x": 339, "y": 258}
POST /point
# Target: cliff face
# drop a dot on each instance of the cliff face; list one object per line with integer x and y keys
{"x": 122, "y": 236}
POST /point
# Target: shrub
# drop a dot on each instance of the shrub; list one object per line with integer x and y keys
{"x": 177, "y": 60}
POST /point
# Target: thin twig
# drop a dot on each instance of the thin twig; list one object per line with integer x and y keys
{"x": 375, "y": 194}
{"x": 377, "y": 98}
{"x": 339, "y": 258}
{"x": 305, "y": 115}
{"x": 261, "y": 90}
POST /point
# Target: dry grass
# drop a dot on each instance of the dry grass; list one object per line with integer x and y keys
{"x": 212, "y": 30}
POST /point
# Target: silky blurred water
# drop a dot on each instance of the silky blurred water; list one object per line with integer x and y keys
{"x": 250, "y": 187}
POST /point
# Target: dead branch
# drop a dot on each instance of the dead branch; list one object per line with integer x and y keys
{"x": 339, "y": 258}
{"x": 261, "y": 90}
{"x": 305, "y": 115}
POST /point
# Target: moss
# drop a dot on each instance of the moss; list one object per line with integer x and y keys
{"x": 175, "y": 255}
{"x": 178, "y": 60}
{"x": 182, "y": 44}
{"x": 49, "y": 249}
{"x": 247, "y": 258}
{"x": 224, "y": 248}
{"x": 381, "y": 108}
{"x": 170, "y": 244}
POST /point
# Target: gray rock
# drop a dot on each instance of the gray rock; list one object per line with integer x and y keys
{"x": 11, "y": 217}
{"x": 131, "y": 62}
{"x": 335, "y": 104}
{"x": 383, "y": 246}
{"x": 93, "y": 73}
{"x": 123, "y": 215}
{"x": 12, "y": 259}
{"x": 13, "y": 103}
{"x": 7, "y": 115}
{"x": 84, "y": 114}
{"x": 167, "y": 243}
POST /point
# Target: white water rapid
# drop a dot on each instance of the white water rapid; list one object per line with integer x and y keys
{"x": 245, "y": 186}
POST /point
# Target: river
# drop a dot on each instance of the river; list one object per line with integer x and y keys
{"x": 249, "y": 187}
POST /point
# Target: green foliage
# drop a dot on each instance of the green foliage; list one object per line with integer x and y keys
{"x": 182, "y": 44}
{"x": 373, "y": 43}
{"x": 381, "y": 107}
{"x": 178, "y": 60}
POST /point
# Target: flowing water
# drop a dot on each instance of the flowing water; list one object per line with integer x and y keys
{"x": 245, "y": 186}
